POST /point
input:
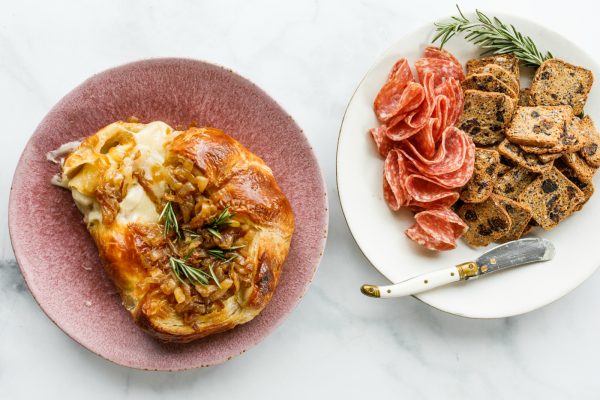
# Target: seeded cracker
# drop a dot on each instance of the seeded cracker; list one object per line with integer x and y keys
{"x": 559, "y": 83}
{"x": 485, "y": 116}
{"x": 540, "y": 126}
{"x": 520, "y": 215}
{"x": 487, "y": 83}
{"x": 502, "y": 74}
{"x": 503, "y": 168}
{"x": 552, "y": 198}
{"x": 528, "y": 161}
{"x": 484, "y": 177}
{"x": 586, "y": 186}
{"x": 506, "y": 61}
{"x": 513, "y": 182}
{"x": 487, "y": 221}
{"x": 572, "y": 139}
{"x": 591, "y": 151}
{"x": 580, "y": 168}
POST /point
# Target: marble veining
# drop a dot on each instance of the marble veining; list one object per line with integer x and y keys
{"x": 337, "y": 344}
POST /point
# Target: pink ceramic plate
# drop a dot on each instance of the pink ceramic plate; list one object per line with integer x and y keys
{"x": 56, "y": 254}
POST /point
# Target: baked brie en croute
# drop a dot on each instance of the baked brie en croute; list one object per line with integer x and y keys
{"x": 191, "y": 226}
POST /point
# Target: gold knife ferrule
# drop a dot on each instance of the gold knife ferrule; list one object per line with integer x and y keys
{"x": 370, "y": 290}
{"x": 467, "y": 270}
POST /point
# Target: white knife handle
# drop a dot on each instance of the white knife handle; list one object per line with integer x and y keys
{"x": 414, "y": 285}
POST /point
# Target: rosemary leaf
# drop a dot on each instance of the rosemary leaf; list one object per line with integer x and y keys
{"x": 214, "y": 232}
{"x": 175, "y": 269}
{"x": 170, "y": 220}
{"x": 222, "y": 219}
{"x": 192, "y": 234}
{"x": 233, "y": 257}
{"x": 220, "y": 253}
{"x": 217, "y": 253}
{"x": 214, "y": 277}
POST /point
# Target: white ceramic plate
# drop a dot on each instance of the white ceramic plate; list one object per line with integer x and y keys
{"x": 379, "y": 232}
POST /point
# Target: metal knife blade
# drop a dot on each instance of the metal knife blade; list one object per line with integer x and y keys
{"x": 512, "y": 254}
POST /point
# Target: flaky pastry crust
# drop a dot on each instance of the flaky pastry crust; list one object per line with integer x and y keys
{"x": 101, "y": 171}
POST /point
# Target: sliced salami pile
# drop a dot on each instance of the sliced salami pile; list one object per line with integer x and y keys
{"x": 427, "y": 159}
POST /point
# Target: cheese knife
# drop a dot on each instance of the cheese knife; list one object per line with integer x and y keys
{"x": 505, "y": 256}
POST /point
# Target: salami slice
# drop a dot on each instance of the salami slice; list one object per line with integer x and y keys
{"x": 406, "y": 126}
{"x": 423, "y": 141}
{"x": 441, "y": 115}
{"x": 449, "y": 157}
{"x": 442, "y": 69}
{"x": 383, "y": 143}
{"x": 395, "y": 172}
{"x": 437, "y": 229}
{"x": 459, "y": 177}
{"x": 418, "y": 235}
{"x": 400, "y": 94}
{"x": 459, "y": 99}
{"x": 436, "y": 52}
{"x": 448, "y": 106}
{"x": 396, "y": 101}
{"x": 401, "y": 71}
{"x": 451, "y": 89}
{"x": 455, "y": 225}
{"x": 442, "y": 202}
{"x": 422, "y": 189}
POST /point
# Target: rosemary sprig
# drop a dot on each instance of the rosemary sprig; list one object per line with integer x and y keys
{"x": 217, "y": 253}
{"x": 194, "y": 275}
{"x": 492, "y": 35}
{"x": 168, "y": 215}
{"x": 220, "y": 253}
{"x": 215, "y": 225}
{"x": 185, "y": 272}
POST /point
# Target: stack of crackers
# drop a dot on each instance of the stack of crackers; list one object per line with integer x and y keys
{"x": 536, "y": 151}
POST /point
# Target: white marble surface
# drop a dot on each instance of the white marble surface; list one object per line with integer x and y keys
{"x": 337, "y": 344}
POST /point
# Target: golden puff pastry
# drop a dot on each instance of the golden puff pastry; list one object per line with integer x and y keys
{"x": 191, "y": 226}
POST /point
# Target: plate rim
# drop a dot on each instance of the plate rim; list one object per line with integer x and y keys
{"x": 323, "y": 204}
{"x": 374, "y": 64}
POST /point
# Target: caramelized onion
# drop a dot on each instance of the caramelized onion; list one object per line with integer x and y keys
{"x": 179, "y": 296}
{"x": 194, "y": 211}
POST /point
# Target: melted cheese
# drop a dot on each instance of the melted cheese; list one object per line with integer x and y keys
{"x": 137, "y": 206}
{"x": 147, "y": 154}
{"x": 151, "y": 144}
{"x": 88, "y": 206}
